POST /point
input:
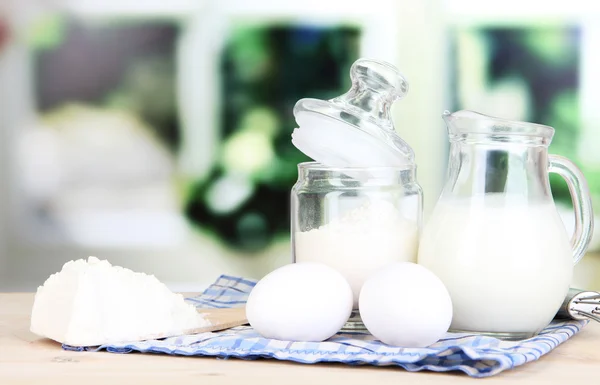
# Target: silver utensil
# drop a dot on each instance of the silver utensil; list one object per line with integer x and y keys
{"x": 580, "y": 305}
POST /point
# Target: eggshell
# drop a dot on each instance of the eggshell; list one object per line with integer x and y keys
{"x": 300, "y": 302}
{"x": 405, "y": 305}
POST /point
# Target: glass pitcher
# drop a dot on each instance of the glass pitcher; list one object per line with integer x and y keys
{"x": 495, "y": 237}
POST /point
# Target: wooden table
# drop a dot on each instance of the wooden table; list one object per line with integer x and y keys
{"x": 27, "y": 359}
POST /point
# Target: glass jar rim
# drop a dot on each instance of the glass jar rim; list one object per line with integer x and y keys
{"x": 316, "y": 166}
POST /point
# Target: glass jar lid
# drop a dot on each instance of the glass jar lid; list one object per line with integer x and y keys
{"x": 355, "y": 129}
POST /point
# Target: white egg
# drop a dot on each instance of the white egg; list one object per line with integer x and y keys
{"x": 405, "y": 305}
{"x": 300, "y": 302}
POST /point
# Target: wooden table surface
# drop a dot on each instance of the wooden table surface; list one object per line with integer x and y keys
{"x": 28, "y": 359}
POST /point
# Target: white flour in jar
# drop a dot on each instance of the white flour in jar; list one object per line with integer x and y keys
{"x": 360, "y": 242}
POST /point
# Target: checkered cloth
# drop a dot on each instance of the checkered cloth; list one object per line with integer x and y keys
{"x": 476, "y": 356}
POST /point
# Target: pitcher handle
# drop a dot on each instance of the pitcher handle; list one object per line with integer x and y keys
{"x": 582, "y": 203}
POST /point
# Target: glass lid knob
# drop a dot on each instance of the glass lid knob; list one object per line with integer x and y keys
{"x": 355, "y": 129}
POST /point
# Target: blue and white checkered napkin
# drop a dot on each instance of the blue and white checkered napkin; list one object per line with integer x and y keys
{"x": 477, "y": 356}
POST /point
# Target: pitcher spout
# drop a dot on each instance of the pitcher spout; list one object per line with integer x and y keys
{"x": 465, "y": 122}
{"x": 447, "y": 116}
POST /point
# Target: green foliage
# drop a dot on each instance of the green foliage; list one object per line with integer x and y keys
{"x": 265, "y": 71}
{"x": 551, "y": 44}
{"x": 563, "y": 115}
{"x": 47, "y": 31}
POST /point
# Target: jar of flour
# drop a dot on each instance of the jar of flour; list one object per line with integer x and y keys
{"x": 356, "y": 226}
{"x": 358, "y": 206}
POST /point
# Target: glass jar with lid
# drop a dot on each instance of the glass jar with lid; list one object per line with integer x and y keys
{"x": 358, "y": 206}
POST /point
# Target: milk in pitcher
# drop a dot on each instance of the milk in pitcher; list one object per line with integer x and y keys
{"x": 507, "y": 265}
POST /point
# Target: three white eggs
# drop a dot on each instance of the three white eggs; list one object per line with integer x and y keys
{"x": 402, "y": 304}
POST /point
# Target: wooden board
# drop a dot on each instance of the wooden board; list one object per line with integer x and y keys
{"x": 220, "y": 319}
